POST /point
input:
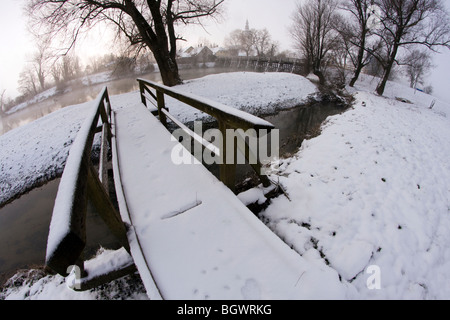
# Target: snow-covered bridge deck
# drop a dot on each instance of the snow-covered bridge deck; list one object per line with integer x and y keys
{"x": 191, "y": 236}
{"x": 188, "y": 234}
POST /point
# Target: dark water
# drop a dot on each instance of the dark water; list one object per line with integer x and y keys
{"x": 300, "y": 123}
{"x": 24, "y": 223}
{"x": 24, "y": 226}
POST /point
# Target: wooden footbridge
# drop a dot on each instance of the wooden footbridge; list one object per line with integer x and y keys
{"x": 188, "y": 239}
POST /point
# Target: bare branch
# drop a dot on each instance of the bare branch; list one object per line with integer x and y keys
{"x": 143, "y": 22}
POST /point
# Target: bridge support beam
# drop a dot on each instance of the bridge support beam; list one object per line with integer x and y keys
{"x": 106, "y": 209}
{"x": 227, "y": 168}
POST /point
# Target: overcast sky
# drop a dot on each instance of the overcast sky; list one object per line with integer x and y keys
{"x": 16, "y": 46}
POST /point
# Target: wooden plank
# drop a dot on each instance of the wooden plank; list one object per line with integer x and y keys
{"x": 252, "y": 158}
{"x": 109, "y": 267}
{"x": 232, "y": 117}
{"x": 190, "y": 237}
{"x": 161, "y": 106}
{"x": 135, "y": 245}
{"x": 103, "y": 166}
{"x": 192, "y": 134}
{"x": 67, "y": 234}
{"x": 228, "y": 166}
{"x": 142, "y": 89}
{"x": 105, "y": 208}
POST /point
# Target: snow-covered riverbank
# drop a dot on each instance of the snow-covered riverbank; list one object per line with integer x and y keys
{"x": 374, "y": 190}
{"x": 35, "y": 153}
{"x": 368, "y": 199}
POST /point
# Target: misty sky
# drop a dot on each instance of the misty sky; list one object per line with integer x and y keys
{"x": 16, "y": 44}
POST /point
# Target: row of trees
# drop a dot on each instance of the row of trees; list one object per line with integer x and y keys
{"x": 45, "y": 69}
{"x": 252, "y": 42}
{"x": 149, "y": 24}
{"x": 359, "y": 31}
{"x": 381, "y": 32}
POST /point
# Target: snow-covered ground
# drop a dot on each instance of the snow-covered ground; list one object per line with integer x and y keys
{"x": 37, "y": 151}
{"x": 86, "y": 81}
{"x": 374, "y": 190}
{"x": 37, "y": 285}
{"x": 249, "y": 91}
{"x": 369, "y": 198}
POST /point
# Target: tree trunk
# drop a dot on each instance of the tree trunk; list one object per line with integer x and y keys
{"x": 356, "y": 76}
{"x": 387, "y": 70}
{"x": 168, "y": 68}
{"x": 158, "y": 42}
{"x": 321, "y": 77}
{"x": 359, "y": 63}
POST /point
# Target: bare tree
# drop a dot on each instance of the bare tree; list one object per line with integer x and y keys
{"x": 32, "y": 80}
{"x": 314, "y": 34}
{"x": 263, "y": 43}
{"x": 70, "y": 67}
{"x": 418, "y": 64}
{"x": 241, "y": 40}
{"x": 3, "y": 102}
{"x": 340, "y": 59}
{"x": 406, "y": 23}
{"x": 65, "y": 68}
{"x": 356, "y": 34}
{"x": 28, "y": 83}
{"x": 147, "y": 23}
{"x": 41, "y": 58}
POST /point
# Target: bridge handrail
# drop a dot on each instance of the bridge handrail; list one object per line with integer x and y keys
{"x": 233, "y": 117}
{"x": 80, "y": 181}
{"x": 226, "y": 116}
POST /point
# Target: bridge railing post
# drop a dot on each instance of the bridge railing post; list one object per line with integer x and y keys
{"x": 142, "y": 89}
{"x": 227, "y": 119}
{"x": 80, "y": 181}
{"x": 161, "y": 105}
{"x": 227, "y": 165}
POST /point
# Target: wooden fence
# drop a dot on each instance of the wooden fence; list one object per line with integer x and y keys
{"x": 227, "y": 118}
{"x": 81, "y": 181}
{"x": 263, "y": 64}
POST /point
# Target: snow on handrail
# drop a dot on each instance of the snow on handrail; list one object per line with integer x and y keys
{"x": 227, "y": 117}
{"x": 67, "y": 233}
{"x": 233, "y": 117}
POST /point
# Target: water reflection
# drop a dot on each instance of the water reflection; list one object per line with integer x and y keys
{"x": 24, "y": 223}
{"x": 300, "y": 123}
{"x": 24, "y": 226}
{"x": 79, "y": 93}
{"x": 294, "y": 125}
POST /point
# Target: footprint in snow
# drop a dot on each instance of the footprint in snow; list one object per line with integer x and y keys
{"x": 251, "y": 290}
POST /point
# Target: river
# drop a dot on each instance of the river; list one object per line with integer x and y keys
{"x": 24, "y": 223}
{"x": 81, "y": 93}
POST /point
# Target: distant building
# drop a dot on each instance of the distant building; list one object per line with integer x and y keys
{"x": 200, "y": 54}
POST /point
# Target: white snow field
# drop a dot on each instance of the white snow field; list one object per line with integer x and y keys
{"x": 374, "y": 190}
{"x": 37, "y": 151}
{"x": 368, "y": 200}
{"x": 193, "y": 234}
